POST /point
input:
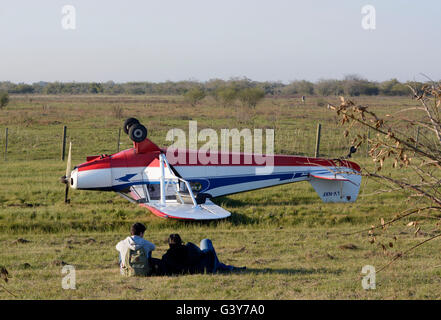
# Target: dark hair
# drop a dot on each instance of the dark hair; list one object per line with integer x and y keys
{"x": 174, "y": 240}
{"x": 137, "y": 229}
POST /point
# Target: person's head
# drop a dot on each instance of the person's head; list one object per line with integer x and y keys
{"x": 137, "y": 229}
{"x": 174, "y": 240}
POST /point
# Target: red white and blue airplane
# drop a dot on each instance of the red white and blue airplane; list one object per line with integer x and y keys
{"x": 143, "y": 175}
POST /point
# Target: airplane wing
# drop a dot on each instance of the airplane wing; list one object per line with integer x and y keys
{"x": 177, "y": 210}
{"x": 206, "y": 211}
{"x": 179, "y": 202}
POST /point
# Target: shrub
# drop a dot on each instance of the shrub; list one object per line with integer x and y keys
{"x": 95, "y": 88}
{"x": 329, "y": 87}
{"x": 354, "y": 85}
{"x": 194, "y": 95}
{"x": 4, "y": 99}
{"x": 393, "y": 88}
{"x": 226, "y": 95}
{"x": 251, "y": 96}
{"x": 299, "y": 87}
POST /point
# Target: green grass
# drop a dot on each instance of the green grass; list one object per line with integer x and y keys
{"x": 289, "y": 240}
{"x": 288, "y": 263}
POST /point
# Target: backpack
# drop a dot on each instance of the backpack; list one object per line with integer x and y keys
{"x": 136, "y": 263}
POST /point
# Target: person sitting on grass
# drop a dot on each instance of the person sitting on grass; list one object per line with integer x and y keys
{"x": 189, "y": 258}
{"x": 135, "y": 253}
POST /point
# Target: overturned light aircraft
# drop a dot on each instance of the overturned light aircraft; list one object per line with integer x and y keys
{"x": 143, "y": 175}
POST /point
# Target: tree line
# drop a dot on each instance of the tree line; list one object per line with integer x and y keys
{"x": 224, "y": 90}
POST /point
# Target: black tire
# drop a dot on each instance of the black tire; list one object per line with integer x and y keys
{"x": 137, "y": 133}
{"x": 128, "y": 123}
{"x": 202, "y": 197}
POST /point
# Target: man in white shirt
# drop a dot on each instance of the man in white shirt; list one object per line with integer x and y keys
{"x": 134, "y": 242}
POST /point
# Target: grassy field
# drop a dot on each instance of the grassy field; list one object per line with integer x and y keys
{"x": 292, "y": 243}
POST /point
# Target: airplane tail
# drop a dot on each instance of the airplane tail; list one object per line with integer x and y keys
{"x": 340, "y": 186}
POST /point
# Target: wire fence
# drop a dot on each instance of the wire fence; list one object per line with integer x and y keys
{"x": 39, "y": 143}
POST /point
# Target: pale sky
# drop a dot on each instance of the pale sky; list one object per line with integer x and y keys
{"x": 145, "y": 40}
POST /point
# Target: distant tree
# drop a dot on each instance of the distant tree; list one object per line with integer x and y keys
{"x": 110, "y": 87}
{"x": 52, "y": 88}
{"x": 72, "y": 88}
{"x": 38, "y": 87}
{"x": 401, "y": 89}
{"x": 329, "y": 87}
{"x": 194, "y": 95}
{"x": 394, "y": 88}
{"x": 22, "y": 89}
{"x": 95, "y": 87}
{"x": 354, "y": 85}
{"x": 135, "y": 87}
{"x": 251, "y": 96}
{"x": 226, "y": 95}
{"x": 4, "y": 99}
{"x": 386, "y": 86}
{"x": 241, "y": 83}
{"x": 135, "y": 90}
{"x": 6, "y": 86}
{"x": 213, "y": 85}
{"x": 299, "y": 87}
{"x": 370, "y": 88}
{"x": 271, "y": 88}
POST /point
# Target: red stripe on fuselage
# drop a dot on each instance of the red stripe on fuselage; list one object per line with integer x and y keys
{"x": 125, "y": 158}
{"x": 242, "y": 159}
{"x": 129, "y": 158}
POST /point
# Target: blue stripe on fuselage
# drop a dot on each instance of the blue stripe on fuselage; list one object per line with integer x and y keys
{"x": 215, "y": 182}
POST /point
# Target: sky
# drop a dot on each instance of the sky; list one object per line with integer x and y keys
{"x": 272, "y": 40}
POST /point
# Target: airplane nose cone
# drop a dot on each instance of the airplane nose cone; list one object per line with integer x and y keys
{"x": 74, "y": 179}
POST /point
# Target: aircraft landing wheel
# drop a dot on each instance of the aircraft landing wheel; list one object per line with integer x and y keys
{"x": 137, "y": 133}
{"x": 129, "y": 123}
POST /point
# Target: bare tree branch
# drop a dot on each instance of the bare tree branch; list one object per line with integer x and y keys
{"x": 399, "y": 255}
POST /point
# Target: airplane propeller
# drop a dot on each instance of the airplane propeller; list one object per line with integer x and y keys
{"x": 66, "y": 178}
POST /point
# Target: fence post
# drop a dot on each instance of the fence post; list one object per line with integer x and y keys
{"x": 317, "y": 141}
{"x": 416, "y": 138}
{"x": 119, "y": 138}
{"x": 6, "y": 142}
{"x": 367, "y": 142}
{"x": 63, "y": 145}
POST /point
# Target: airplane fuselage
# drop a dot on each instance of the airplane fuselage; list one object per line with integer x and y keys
{"x": 121, "y": 170}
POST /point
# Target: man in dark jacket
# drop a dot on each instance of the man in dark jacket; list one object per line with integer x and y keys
{"x": 181, "y": 259}
{"x": 189, "y": 258}
{"x": 174, "y": 261}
